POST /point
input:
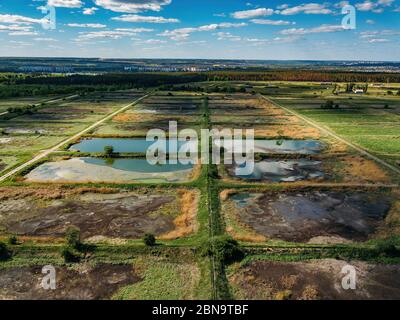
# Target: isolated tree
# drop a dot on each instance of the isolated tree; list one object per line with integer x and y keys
{"x": 73, "y": 237}
{"x": 223, "y": 248}
{"x": 108, "y": 151}
{"x": 149, "y": 240}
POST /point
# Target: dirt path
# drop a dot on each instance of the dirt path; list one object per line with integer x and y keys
{"x": 332, "y": 134}
{"x": 45, "y": 153}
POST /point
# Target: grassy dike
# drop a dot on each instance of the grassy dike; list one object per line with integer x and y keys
{"x": 218, "y": 275}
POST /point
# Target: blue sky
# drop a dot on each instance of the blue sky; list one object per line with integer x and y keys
{"x": 217, "y": 29}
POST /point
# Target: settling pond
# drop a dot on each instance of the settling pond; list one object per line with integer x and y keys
{"x": 306, "y": 147}
{"x": 281, "y": 170}
{"x": 97, "y": 145}
{"x": 125, "y": 145}
{"x": 90, "y": 169}
{"x": 308, "y": 216}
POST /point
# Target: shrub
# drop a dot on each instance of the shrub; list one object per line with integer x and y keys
{"x": 149, "y": 240}
{"x": 73, "y": 237}
{"x": 4, "y": 252}
{"x": 108, "y": 151}
{"x": 283, "y": 295}
{"x": 387, "y": 247}
{"x": 69, "y": 254}
{"x": 12, "y": 240}
{"x": 224, "y": 248}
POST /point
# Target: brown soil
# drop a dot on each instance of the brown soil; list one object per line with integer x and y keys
{"x": 303, "y": 217}
{"x": 314, "y": 280}
{"x": 47, "y": 193}
{"x": 123, "y": 215}
{"x": 81, "y": 283}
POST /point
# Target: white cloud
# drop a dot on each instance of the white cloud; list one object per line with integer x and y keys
{"x": 46, "y": 39}
{"x": 65, "y": 3}
{"x": 227, "y": 36}
{"x": 247, "y": 14}
{"x": 110, "y": 34}
{"x": 90, "y": 11}
{"x": 272, "y": 22}
{"x": 366, "y": 6}
{"x": 132, "y": 6}
{"x": 154, "y": 41}
{"x": 341, "y": 4}
{"x": 289, "y": 39}
{"x": 145, "y": 19}
{"x": 14, "y": 28}
{"x": 321, "y": 29}
{"x": 378, "y": 40}
{"x": 23, "y": 33}
{"x": 86, "y": 25}
{"x": 183, "y": 33}
{"x": 385, "y": 2}
{"x": 282, "y": 6}
{"x": 309, "y": 8}
{"x": 373, "y": 34}
{"x": 374, "y": 6}
{"x": 256, "y": 41}
{"x": 369, "y": 21}
{"x": 134, "y": 30}
{"x": 16, "y": 19}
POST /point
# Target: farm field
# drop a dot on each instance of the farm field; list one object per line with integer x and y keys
{"x": 371, "y": 120}
{"x": 311, "y": 205}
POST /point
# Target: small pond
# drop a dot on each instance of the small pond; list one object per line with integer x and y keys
{"x": 282, "y": 170}
{"x": 121, "y": 145}
{"x": 92, "y": 169}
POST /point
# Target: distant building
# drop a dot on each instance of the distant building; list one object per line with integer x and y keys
{"x": 358, "y": 91}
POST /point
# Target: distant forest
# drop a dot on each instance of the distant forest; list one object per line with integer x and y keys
{"x": 16, "y": 85}
{"x": 143, "y": 80}
{"x": 305, "y": 75}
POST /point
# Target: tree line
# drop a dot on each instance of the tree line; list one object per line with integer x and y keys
{"x": 304, "y": 75}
